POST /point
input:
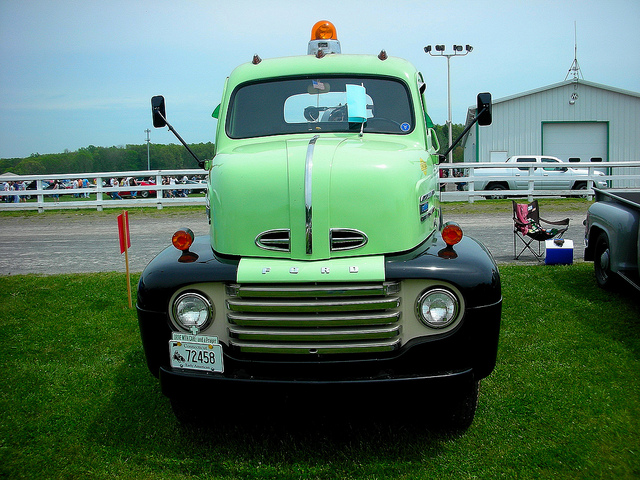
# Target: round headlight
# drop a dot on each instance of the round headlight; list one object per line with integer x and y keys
{"x": 192, "y": 310}
{"x": 437, "y": 308}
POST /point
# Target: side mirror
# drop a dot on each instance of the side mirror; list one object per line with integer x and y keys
{"x": 160, "y": 120}
{"x": 483, "y": 117}
{"x": 484, "y": 109}
{"x": 158, "y": 111}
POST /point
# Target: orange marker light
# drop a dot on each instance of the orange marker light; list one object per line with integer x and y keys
{"x": 183, "y": 239}
{"x": 323, "y": 30}
{"x": 451, "y": 233}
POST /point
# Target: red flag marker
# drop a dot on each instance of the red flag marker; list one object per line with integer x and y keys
{"x": 123, "y": 231}
{"x": 125, "y": 245}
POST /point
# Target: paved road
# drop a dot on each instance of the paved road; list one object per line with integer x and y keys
{"x": 77, "y": 242}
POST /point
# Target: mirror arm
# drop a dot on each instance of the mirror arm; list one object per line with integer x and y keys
{"x": 464, "y": 132}
{"x": 172, "y": 130}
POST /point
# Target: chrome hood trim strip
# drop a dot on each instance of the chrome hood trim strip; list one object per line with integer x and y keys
{"x": 308, "y": 170}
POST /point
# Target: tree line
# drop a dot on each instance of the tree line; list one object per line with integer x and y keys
{"x": 108, "y": 159}
{"x": 134, "y": 157}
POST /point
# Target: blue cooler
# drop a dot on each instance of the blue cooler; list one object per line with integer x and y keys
{"x": 558, "y": 252}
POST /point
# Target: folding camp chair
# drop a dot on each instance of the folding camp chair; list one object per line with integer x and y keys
{"x": 527, "y": 226}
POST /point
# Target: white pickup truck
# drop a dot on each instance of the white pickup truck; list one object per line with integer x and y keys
{"x": 553, "y": 174}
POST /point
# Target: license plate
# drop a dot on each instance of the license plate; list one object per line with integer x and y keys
{"x": 196, "y": 355}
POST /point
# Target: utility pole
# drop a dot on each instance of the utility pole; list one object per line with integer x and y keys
{"x": 148, "y": 157}
{"x": 457, "y": 52}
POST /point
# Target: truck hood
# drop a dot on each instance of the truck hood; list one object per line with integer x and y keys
{"x": 321, "y": 197}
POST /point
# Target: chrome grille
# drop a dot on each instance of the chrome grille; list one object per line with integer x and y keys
{"x": 346, "y": 239}
{"x": 314, "y": 319}
{"x": 276, "y": 240}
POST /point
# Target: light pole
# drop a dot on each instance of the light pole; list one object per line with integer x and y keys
{"x": 457, "y": 52}
{"x": 148, "y": 157}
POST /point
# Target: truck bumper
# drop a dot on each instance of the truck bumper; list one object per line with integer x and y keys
{"x": 439, "y": 364}
{"x": 434, "y": 362}
{"x": 176, "y": 384}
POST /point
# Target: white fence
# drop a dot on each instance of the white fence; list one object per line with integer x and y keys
{"x": 533, "y": 179}
{"x": 100, "y": 194}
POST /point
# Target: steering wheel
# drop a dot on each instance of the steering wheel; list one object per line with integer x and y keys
{"x": 339, "y": 114}
{"x": 312, "y": 114}
{"x": 383, "y": 120}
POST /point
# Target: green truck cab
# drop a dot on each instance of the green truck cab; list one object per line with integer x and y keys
{"x": 328, "y": 266}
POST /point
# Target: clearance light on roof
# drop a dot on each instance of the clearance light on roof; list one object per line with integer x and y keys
{"x": 324, "y": 39}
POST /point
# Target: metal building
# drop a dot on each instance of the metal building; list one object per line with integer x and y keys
{"x": 574, "y": 120}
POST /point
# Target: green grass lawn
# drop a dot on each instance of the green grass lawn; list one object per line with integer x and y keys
{"x": 77, "y": 401}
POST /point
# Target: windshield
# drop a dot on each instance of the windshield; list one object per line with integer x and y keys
{"x": 303, "y": 105}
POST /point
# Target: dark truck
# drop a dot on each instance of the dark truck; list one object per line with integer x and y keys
{"x": 328, "y": 271}
{"x": 612, "y": 237}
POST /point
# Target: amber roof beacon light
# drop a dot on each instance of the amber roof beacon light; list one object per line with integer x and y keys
{"x": 324, "y": 39}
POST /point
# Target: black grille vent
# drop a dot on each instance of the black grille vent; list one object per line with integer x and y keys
{"x": 347, "y": 239}
{"x": 276, "y": 240}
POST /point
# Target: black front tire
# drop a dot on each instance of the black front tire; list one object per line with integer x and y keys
{"x": 602, "y": 262}
{"x": 184, "y": 412}
{"x": 457, "y": 414}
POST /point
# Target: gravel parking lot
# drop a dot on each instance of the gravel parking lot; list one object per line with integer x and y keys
{"x": 87, "y": 241}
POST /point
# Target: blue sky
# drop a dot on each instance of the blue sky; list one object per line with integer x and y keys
{"x": 79, "y": 73}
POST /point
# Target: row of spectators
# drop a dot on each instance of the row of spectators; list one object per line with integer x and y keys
{"x": 54, "y": 186}
{"x": 14, "y": 187}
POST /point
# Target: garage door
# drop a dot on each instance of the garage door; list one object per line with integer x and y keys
{"x": 586, "y": 141}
